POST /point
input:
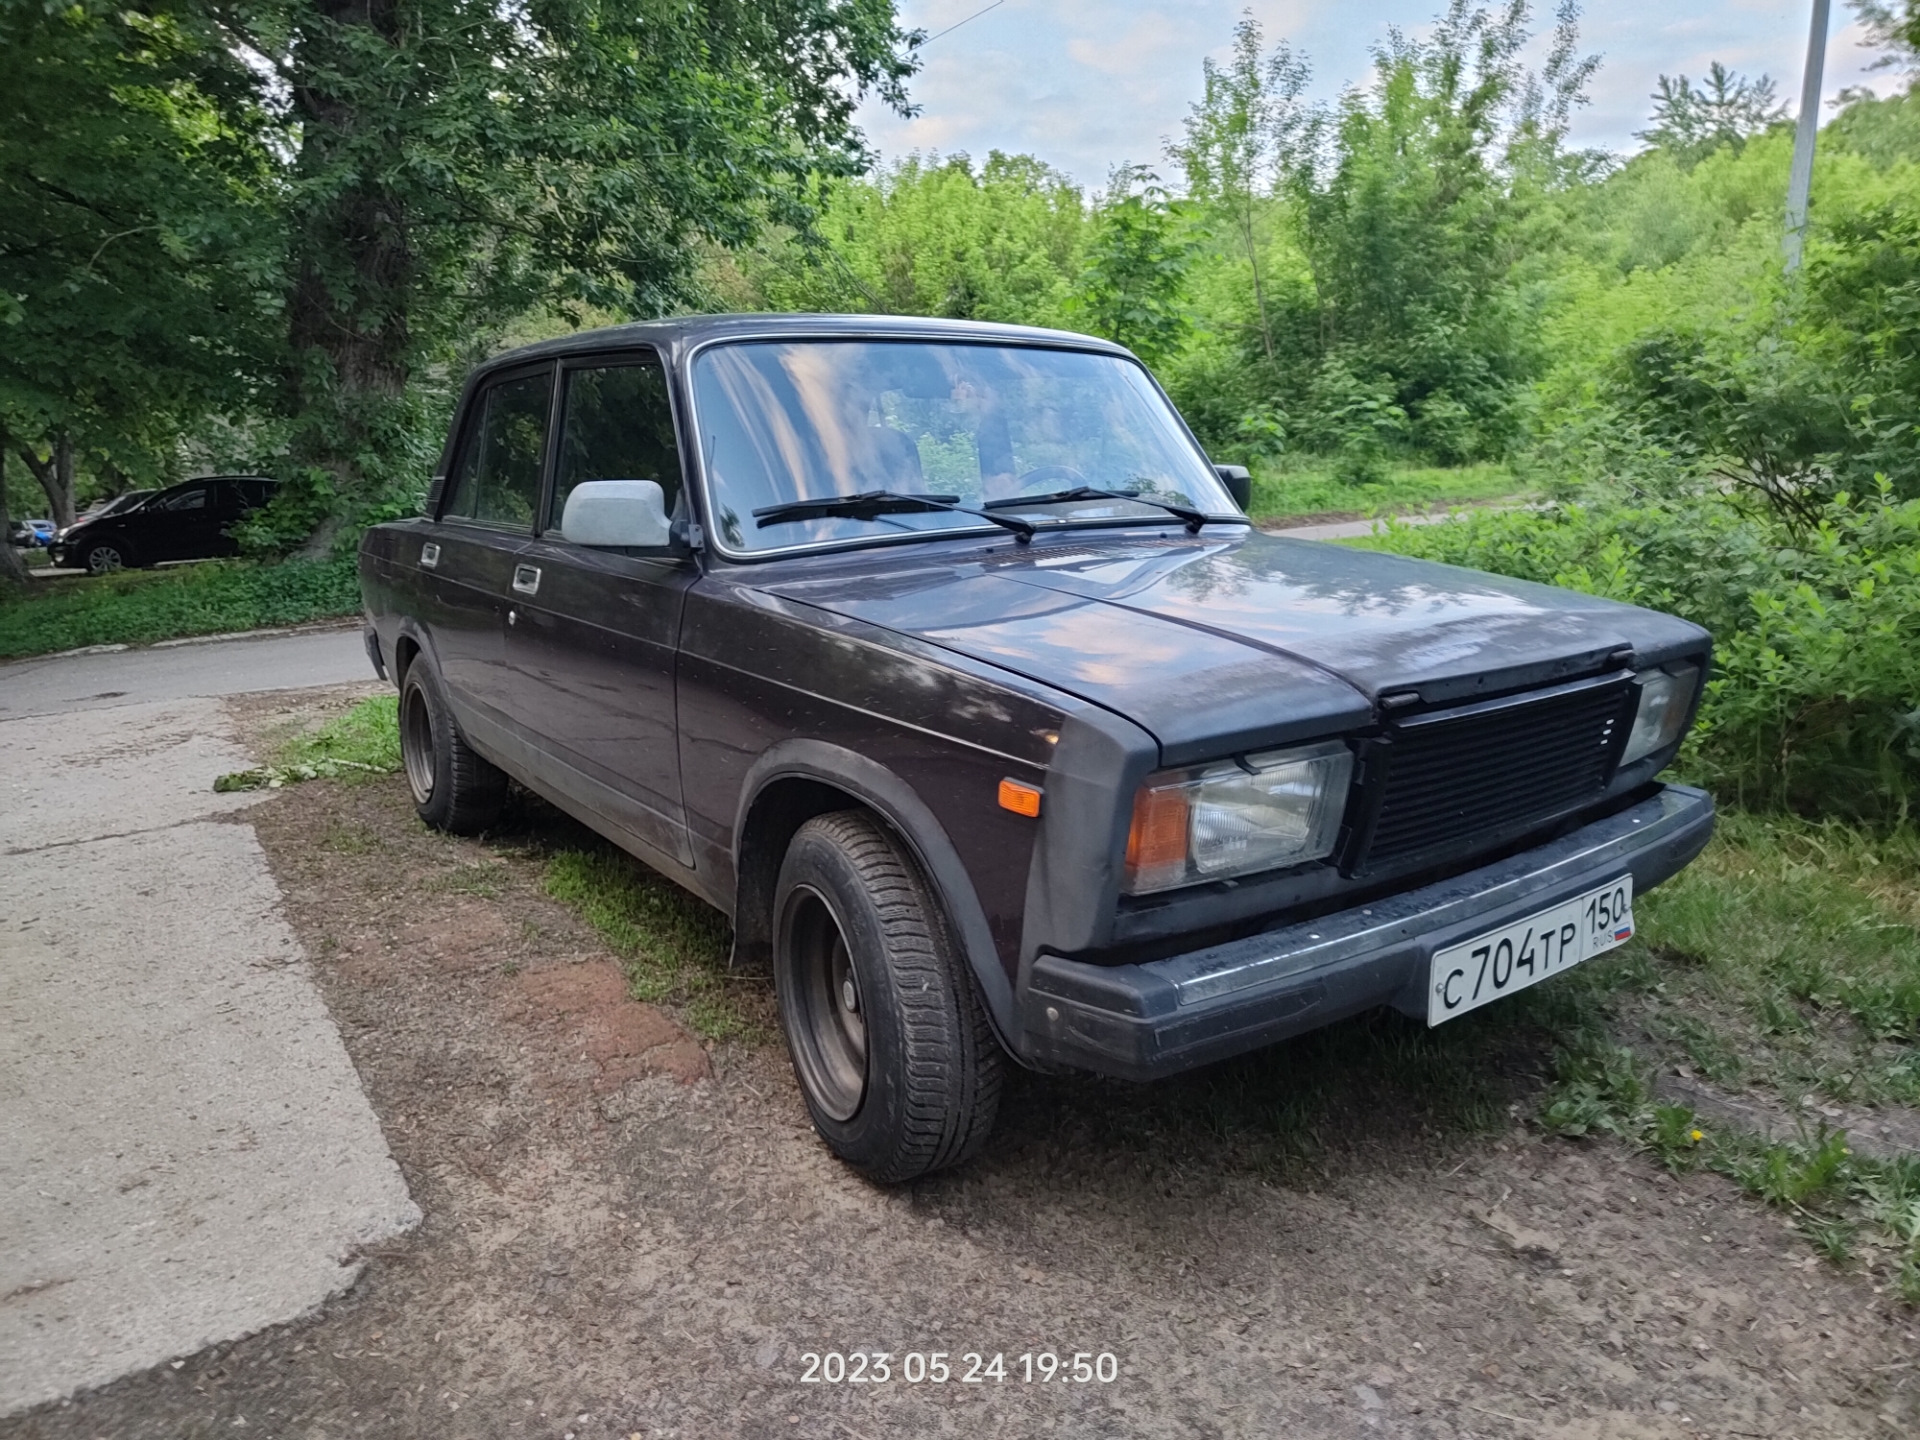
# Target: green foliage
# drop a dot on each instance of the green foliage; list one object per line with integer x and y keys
{"x": 933, "y": 237}
{"x": 1815, "y": 699}
{"x": 138, "y": 607}
{"x": 1135, "y": 273}
{"x": 1312, "y": 485}
{"x": 1690, "y": 123}
{"x": 137, "y": 231}
{"x": 355, "y": 746}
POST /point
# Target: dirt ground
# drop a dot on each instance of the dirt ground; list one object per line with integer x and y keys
{"x": 628, "y": 1233}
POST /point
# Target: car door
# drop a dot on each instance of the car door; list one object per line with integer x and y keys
{"x": 175, "y": 525}
{"x": 592, "y": 633}
{"x": 486, "y": 519}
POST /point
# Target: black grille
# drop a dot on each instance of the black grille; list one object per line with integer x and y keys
{"x": 1489, "y": 769}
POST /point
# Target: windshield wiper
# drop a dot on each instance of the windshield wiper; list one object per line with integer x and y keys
{"x": 1194, "y": 518}
{"x": 872, "y": 504}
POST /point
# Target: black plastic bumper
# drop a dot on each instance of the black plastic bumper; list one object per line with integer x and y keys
{"x": 1145, "y": 1021}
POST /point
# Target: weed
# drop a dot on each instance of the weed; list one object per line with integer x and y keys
{"x": 363, "y": 742}
{"x": 1320, "y": 485}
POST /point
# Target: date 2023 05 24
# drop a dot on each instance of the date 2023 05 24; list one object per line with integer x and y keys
{"x": 971, "y": 1367}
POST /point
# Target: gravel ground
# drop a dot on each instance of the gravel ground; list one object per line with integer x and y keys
{"x": 628, "y": 1233}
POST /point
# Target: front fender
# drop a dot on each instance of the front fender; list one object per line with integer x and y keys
{"x": 895, "y": 801}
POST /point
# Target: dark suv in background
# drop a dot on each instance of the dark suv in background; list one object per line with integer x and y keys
{"x": 189, "y": 521}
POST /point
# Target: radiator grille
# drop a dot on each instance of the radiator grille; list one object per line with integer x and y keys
{"x": 1487, "y": 770}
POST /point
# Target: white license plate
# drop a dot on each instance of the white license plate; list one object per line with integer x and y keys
{"x": 1468, "y": 975}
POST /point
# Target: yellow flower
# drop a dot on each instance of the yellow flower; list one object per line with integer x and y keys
{"x": 1696, "y": 1134}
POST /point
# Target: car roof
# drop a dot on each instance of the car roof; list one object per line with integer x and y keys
{"x": 684, "y": 332}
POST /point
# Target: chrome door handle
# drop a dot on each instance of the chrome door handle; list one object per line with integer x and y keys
{"x": 526, "y": 579}
{"x": 429, "y": 555}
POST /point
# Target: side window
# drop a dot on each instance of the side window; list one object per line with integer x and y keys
{"x": 194, "y": 499}
{"x": 617, "y": 425}
{"x": 498, "y": 479}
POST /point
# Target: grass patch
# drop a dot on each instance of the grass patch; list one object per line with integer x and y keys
{"x": 1848, "y": 1206}
{"x": 1308, "y": 486}
{"x": 1784, "y": 960}
{"x": 364, "y": 741}
{"x": 674, "y": 947}
{"x": 141, "y": 606}
{"x": 1793, "y": 962}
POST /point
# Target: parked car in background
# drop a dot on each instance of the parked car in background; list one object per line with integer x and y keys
{"x": 941, "y": 659}
{"x": 189, "y": 521}
{"x": 29, "y": 533}
{"x": 118, "y": 505}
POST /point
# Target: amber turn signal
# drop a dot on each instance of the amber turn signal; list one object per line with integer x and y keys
{"x": 1019, "y": 798}
{"x": 1157, "y": 840}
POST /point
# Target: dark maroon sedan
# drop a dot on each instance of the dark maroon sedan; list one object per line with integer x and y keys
{"x": 940, "y": 658}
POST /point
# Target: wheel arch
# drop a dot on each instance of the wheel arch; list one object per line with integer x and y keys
{"x": 797, "y": 780}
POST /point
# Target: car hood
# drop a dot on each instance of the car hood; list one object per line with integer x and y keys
{"x": 1231, "y": 643}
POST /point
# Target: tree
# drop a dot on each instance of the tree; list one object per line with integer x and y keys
{"x": 933, "y": 236}
{"x": 1726, "y": 110}
{"x": 13, "y": 570}
{"x": 134, "y": 230}
{"x": 1135, "y": 275}
{"x": 457, "y": 162}
{"x": 1240, "y": 135}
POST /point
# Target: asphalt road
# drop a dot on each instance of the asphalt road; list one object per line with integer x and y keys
{"x": 186, "y": 1152}
{"x": 183, "y": 670}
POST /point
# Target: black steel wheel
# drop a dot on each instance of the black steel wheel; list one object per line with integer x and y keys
{"x": 454, "y": 787}
{"x": 897, "y": 1064}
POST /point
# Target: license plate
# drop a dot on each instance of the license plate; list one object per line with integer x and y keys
{"x": 1468, "y": 975}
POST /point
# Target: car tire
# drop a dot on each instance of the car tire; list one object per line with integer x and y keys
{"x": 104, "y": 557}
{"x": 454, "y": 787}
{"x": 896, "y": 1061}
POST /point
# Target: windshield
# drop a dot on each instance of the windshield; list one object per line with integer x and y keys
{"x": 789, "y": 421}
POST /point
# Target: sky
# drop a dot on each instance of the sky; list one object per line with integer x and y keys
{"x": 1087, "y": 85}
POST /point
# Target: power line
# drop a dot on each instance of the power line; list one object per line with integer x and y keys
{"x": 958, "y": 23}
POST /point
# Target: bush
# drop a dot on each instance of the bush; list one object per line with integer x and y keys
{"x": 140, "y": 607}
{"x": 1814, "y": 702}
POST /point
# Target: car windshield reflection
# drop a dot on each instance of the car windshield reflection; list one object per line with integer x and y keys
{"x": 1062, "y": 435}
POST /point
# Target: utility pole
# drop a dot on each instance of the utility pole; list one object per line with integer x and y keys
{"x": 1804, "y": 134}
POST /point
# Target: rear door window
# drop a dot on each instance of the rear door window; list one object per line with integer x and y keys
{"x": 497, "y": 480}
{"x": 194, "y": 499}
{"x": 617, "y": 424}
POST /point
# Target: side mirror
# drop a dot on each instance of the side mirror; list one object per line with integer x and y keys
{"x": 617, "y": 515}
{"x": 1239, "y": 483}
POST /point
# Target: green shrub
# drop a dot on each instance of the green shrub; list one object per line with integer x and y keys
{"x": 140, "y": 607}
{"x": 1814, "y": 702}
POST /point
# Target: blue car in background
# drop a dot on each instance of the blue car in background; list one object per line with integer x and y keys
{"x": 29, "y": 533}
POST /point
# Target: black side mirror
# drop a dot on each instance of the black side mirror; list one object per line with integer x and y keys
{"x": 1239, "y": 482}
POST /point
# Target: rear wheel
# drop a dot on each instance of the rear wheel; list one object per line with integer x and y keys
{"x": 891, "y": 1047}
{"x": 454, "y": 787}
{"x": 103, "y": 557}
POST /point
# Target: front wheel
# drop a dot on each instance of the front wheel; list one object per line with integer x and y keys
{"x": 454, "y": 787}
{"x": 105, "y": 557}
{"x": 891, "y": 1047}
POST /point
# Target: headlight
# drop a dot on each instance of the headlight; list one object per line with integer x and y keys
{"x": 1665, "y": 698}
{"x": 1279, "y": 808}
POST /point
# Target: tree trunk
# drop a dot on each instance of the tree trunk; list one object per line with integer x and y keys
{"x": 353, "y": 271}
{"x": 13, "y": 569}
{"x": 55, "y": 474}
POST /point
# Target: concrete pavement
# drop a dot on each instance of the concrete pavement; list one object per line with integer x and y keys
{"x": 186, "y": 1154}
{"x": 59, "y": 683}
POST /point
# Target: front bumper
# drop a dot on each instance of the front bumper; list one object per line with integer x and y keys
{"x": 1145, "y": 1021}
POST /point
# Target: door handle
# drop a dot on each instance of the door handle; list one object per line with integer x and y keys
{"x": 526, "y": 579}
{"x": 429, "y": 555}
